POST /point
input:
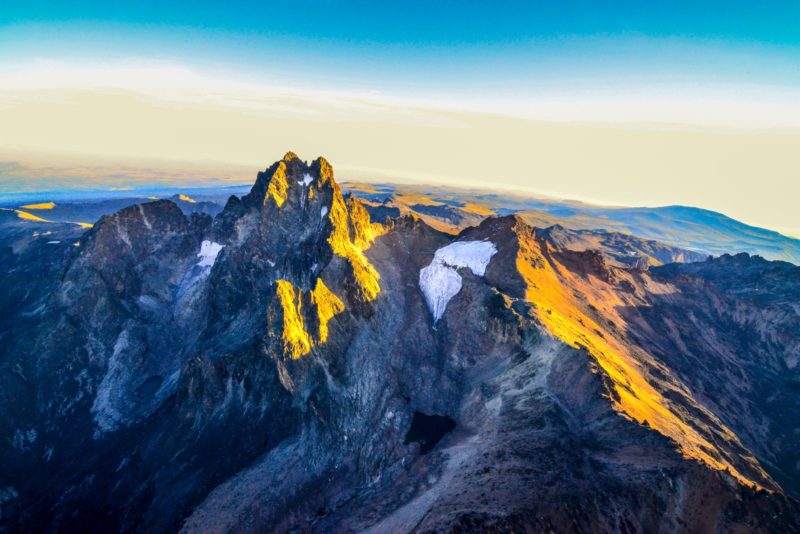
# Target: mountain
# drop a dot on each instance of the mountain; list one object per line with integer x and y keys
{"x": 294, "y": 364}
{"x": 701, "y": 231}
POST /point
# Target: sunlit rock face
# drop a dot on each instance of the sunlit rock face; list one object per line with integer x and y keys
{"x": 293, "y": 365}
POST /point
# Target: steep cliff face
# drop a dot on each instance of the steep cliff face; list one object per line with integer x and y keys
{"x": 293, "y": 365}
{"x": 729, "y": 329}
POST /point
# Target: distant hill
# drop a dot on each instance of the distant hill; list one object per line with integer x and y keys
{"x": 699, "y": 230}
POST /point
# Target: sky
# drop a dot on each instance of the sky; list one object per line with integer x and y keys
{"x": 624, "y": 103}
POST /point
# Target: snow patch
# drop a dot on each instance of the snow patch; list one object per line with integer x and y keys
{"x": 53, "y": 242}
{"x": 307, "y": 179}
{"x": 439, "y": 284}
{"x": 323, "y": 212}
{"x": 474, "y": 255}
{"x": 208, "y": 253}
{"x": 440, "y": 280}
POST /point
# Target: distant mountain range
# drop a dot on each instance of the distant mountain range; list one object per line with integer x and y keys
{"x": 695, "y": 229}
{"x": 451, "y": 210}
{"x": 302, "y": 358}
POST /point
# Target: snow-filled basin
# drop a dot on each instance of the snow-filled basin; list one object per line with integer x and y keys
{"x": 440, "y": 280}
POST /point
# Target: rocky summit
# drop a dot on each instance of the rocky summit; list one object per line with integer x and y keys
{"x": 295, "y": 364}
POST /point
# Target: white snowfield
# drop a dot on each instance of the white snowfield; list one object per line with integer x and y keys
{"x": 208, "y": 253}
{"x": 307, "y": 179}
{"x": 440, "y": 280}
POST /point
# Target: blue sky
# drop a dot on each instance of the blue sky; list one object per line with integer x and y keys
{"x": 416, "y": 47}
{"x": 422, "y": 23}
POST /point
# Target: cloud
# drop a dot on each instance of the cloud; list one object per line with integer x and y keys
{"x": 628, "y": 148}
{"x": 625, "y": 100}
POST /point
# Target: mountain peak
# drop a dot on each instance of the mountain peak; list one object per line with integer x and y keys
{"x": 297, "y": 218}
{"x": 287, "y": 179}
{"x": 323, "y": 169}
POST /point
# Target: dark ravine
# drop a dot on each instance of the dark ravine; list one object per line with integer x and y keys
{"x": 278, "y": 368}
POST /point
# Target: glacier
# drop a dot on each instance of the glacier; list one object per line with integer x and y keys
{"x": 440, "y": 281}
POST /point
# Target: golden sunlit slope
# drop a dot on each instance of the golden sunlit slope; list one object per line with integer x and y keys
{"x": 349, "y": 246}
{"x": 321, "y": 302}
{"x": 364, "y": 230}
{"x": 327, "y": 304}
{"x": 24, "y": 215}
{"x": 296, "y": 340}
{"x": 39, "y": 206}
{"x": 581, "y": 310}
{"x": 277, "y": 186}
{"x": 29, "y": 216}
{"x": 478, "y": 209}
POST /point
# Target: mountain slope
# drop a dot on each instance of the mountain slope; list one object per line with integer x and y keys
{"x": 288, "y": 365}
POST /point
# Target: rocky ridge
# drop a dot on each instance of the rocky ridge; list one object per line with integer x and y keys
{"x": 279, "y": 367}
